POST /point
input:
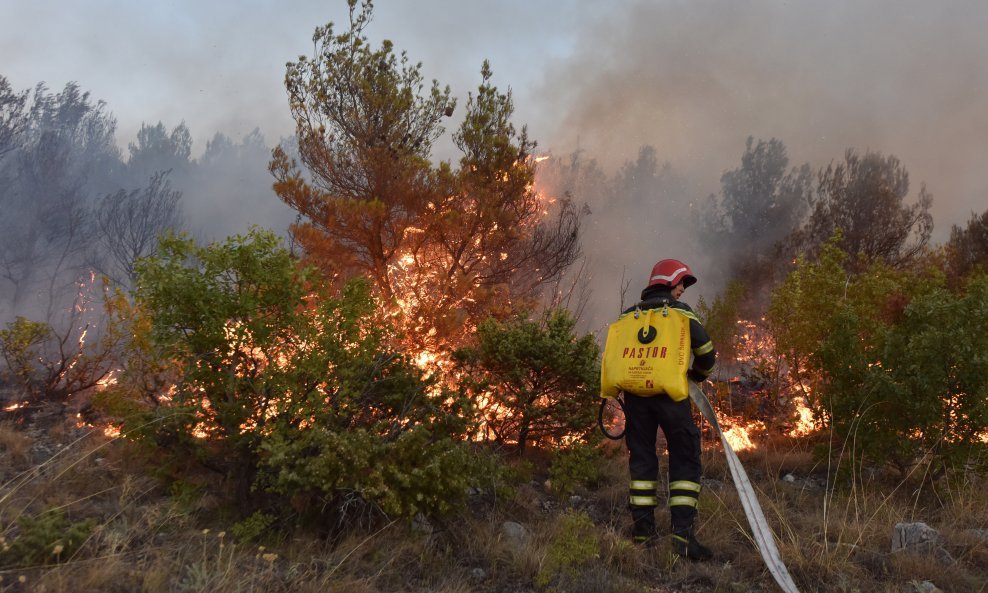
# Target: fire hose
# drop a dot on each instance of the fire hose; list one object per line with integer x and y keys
{"x": 752, "y": 509}
{"x": 762, "y": 533}
{"x": 600, "y": 419}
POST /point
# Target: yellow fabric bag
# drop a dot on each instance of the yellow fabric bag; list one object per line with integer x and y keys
{"x": 647, "y": 353}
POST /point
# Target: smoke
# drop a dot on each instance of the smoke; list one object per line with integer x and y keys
{"x": 73, "y": 204}
{"x": 695, "y": 79}
{"x": 232, "y": 190}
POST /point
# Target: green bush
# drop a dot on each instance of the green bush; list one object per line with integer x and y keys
{"x": 252, "y": 527}
{"x": 55, "y": 364}
{"x": 46, "y": 538}
{"x": 284, "y": 386}
{"x": 417, "y": 471}
{"x": 537, "y": 379}
{"x": 578, "y": 465}
{"x": 21, "y": 344}
{"x": 571, "y": 551}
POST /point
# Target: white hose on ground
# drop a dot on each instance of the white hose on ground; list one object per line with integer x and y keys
{"x": 752, "y": 509}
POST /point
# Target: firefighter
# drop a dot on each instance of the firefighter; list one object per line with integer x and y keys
{"x": 644, "y": 415}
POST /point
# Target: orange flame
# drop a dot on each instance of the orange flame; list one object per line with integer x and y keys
{"x": 806, "y": 423}
{"x": 738, "y": 433}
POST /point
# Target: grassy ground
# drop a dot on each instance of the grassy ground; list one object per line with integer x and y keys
{"x": 79, "y": 512}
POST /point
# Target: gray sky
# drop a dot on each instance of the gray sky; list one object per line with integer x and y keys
{"x": 691, "y": 77}
{"x": 219, "y": 65}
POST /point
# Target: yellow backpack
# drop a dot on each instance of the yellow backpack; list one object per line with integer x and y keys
{"x": 647, "y": 353}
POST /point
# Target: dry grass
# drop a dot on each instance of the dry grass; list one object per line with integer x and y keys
{"x": 14, "y": 447}
{"x": 832, "y": 539}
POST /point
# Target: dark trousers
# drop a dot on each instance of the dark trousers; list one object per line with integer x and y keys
{"x": 643, "y": 417}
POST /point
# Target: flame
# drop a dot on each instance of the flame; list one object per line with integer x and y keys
{"x": 760, "y": 373}
{"x": 805, "y": 424}
{"x": 108, "y": 381}
{"x": 738, "y": 438}
{"x": 737, "y": 432}
{"x": 15, "y": 406}
{"x": 431, "y": 309}
{"x": 754, "y": 341}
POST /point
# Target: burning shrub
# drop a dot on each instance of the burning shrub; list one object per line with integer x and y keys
{"x": 287, "y": 387}
{"x": 920, "y": 395}
{"x": 890, "y": 359}
{"x": 533, "y": 381}
{"x": 58, "y": 359}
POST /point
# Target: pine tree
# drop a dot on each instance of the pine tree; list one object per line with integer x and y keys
{"x": 445, "y": 246}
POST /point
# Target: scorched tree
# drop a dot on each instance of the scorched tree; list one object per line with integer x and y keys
{"x": 444, "y": 246}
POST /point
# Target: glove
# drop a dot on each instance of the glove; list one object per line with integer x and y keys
{"x": 695, "y": 376}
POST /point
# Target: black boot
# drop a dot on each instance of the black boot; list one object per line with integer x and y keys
{"x": 684, "y": 543}
{"x": 643, "y": 531}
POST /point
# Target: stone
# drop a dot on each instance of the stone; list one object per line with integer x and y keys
{"x": 422, "y": 525}
{"x": 979, "y": 534}
{"x": 478, "y": 574}
{"x": 916, "y": 537}
{"x": 925, "y": 587}
{"x": 515, "y": 532}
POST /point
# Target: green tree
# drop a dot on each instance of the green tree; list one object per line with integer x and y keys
{"x": 539, "y": 379}
{"x": 800, "y": 313}
{"x": 720, "y": 319}
{"x": 282, "y": 384}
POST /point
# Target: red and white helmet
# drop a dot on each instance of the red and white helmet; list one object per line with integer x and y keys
{"x": 670, "y": 272}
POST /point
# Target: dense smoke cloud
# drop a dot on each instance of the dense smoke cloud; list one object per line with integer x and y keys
{"x": 695, "y": 79}
{"x": 76, "y": 208}
{"x": 691, "y": 79}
